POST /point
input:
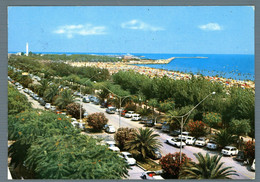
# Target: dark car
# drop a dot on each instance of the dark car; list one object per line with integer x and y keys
{"x": 240, "y": 156}
{"x": 175, "y": 133}
{"x": 41, "y": 101}
{"x": 149, "y": 123}
{"x": 144, "y": 119}
{"x": 155, "y": 154}
{"x": 96, "y": 101}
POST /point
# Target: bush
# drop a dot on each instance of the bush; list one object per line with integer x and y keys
{"x": 97, "y": 121}
{"x": 123, "y": 135}
{"x": 249, "y": 149}
{"x": 172, "y": 165}
{"x": 130, "y": 107}
{"x": 214, "y": 120}
{"x": 166, "y": 105}
{"x": 197, "y": 128}
{"x": 74, "y": 110}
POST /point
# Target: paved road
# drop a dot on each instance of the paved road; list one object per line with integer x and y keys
{"x": 135, "y": 173}
{"x": 243, "y": 171}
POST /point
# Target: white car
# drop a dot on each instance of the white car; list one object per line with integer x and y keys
{"x": 201, "y": 142}
{"x": 82, "y": 125}
{"x": 25, "y": 90}
{"x": 19, "y": 88}
{"x": 47, "y": 106}
{"x": 136, "y": 117}
{"x": 112, "y": 146}
{"x": 253, "y": 166}
{"x": 75, "y": 124}
{"x": 129, "y": 114}
{"x": 229, "y": 150}
{"x": 53, "y": 108}
{"x": 129, "y": 158}
{"x": 175, "y": 142}
{"x": 212, "y": 145}
{"x": 190, "y": 140}
{"x": 151, "y": 175}
{"x": 184, "y": 135}
{"x": 110, "y": 129}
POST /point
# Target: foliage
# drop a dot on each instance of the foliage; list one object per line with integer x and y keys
{"x": 249, "y": 150}
{"x": 172, "y": 165}
{"x": 97, "y": 121}
{"x": 17, "y": 102}
{"x": 51, "y": 92}
{"x": 130, "y": 106}
{"x": 64, "y": 99}
{"x": 144, "y": 142}
{"x": 206, "y": 168}
{"x": 239, "y": 127}
{"x": 224, "y": 138}
{"x": 213, "y": 120}
{"x": 123, "y": 135}
{"x": 74, "y": 110}
{"x": 74, "y": 157}
{"x": 197, "y": 128}
{"x": 166, "y": 106}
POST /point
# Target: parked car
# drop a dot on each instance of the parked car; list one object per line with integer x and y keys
{"x": 82, "y": 126}
{"x": 143, "y": 120}
{"x": 105, "y": 126}
{"x": 85, "y": 114}
{"x": 175, "y": 133}
{"x": 75, "y": 124}
{"x": 190, "y": 140}
{"x": 25, "y": 90}
{"x": 85, "y": 99}
{"x": 253, "y": 165}
{"x": 129, "y": 158}
{"x": 175, "y": 142}
{"x": 151, "y": 175}
{"x": 240, "y": 156}
{"x": 47, "y": 106}
{"x": 53, "y": 108}
{"x": 19, "y": 88}
{"x": 229, "y": 150}
{"x": 183, "y": 135}
{"x": 136, "y": 117}
{"x": 155, "y": 154}
{"x": 91, "y": 98}
{"x": 41, "y": 101}
{"x": 165, "y": 127}
{"x": 212, "y": 145}
{"x": 129, "y": 114}
{"x": 112, "y": 146}
{"x": 111, "y": 110}
{"x": 149, "y": 123}
{"x": 201, "y": 142}
{"x": 110, "y": 129}
{"x": 96, "y": 101}
{"x": 123, "y": 113}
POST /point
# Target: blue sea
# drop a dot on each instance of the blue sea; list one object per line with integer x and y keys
{"x": 235, "y": 66}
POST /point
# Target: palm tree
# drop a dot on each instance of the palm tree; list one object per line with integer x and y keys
{"x": 51, "y": 92}
{"x": 64, "y": 99}
{"x": 145, "y": 142}
{"x": 224, "y": 138}
{"x": 206, "y": 168}
{"x": 44, "y": 85}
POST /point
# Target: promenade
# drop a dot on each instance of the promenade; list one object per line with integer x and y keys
{"x": 114, "y": 67}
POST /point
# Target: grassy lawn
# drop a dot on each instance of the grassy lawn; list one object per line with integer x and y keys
{"x": 149, "y": 165}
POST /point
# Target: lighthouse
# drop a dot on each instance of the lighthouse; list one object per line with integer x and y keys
{"x": 27, "y": 49}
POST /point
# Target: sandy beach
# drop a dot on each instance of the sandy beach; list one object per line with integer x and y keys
{"x": 114, "y": 67}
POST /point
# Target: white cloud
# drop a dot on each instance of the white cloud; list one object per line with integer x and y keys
{"x": 139, "y": 25}
{"x": 211, "y": 27}
{"x": 84, "y": 30}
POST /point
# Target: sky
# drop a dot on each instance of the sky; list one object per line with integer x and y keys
{"x": 132, "y": 29}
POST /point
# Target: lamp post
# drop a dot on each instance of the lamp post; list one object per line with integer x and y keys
{"x": 188, "y": 114}
{"x": 80, "y": 108}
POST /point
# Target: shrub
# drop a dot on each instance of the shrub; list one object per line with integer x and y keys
{"x": 123, "y": 135}
{"x": 214, "y": 120}
{"x": 97, "y": 121}
{"x": 249, "y": 149}
{"x": 166, "y": 105}
{"x": 74, "y": 110}
{"x": 197, "y": 128}
{"x": 172, "y": 165}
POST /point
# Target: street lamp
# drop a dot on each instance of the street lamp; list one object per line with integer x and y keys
{"x": 80, "y": 110}
{"x": 188, "y": 114}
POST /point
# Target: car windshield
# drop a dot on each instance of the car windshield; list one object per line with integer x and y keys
{"x": 201, "y": 139}
{"x": 227, "y": 148}
{"x": 129, "y": 155}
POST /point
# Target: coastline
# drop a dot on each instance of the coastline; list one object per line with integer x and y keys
{"x": 114, "y": 67}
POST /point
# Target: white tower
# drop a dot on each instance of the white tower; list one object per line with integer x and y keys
{"x": 27, "y": 49}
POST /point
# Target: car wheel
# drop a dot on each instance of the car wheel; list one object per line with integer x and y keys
{"x": 144, "y": 177}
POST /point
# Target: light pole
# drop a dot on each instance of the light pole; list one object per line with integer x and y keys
{"x": 80, "y": 108}
{"x": 188, "y": 114}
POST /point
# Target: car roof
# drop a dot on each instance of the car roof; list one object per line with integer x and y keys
{"x": 110, "y": 142}
{"x": 125, "y": 153}
{"x": 229, "y": 147}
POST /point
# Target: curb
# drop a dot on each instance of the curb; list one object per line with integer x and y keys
{"x": 141, "y": 167}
